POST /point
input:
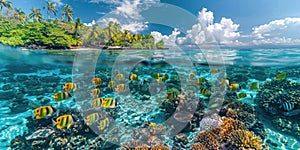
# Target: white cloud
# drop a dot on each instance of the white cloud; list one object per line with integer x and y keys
{"x": 135, "y": 27}
{"x": 126, "y": 13}
{"x": 90, "y": 24}
{"x": 113, "y": 2}
{"x": 170, "y": 40}
{"x": 58, "y": 2}
{"x": 208, "y": 32}
{"x": 276, "y": 25}
{"x": 277, "y": 32}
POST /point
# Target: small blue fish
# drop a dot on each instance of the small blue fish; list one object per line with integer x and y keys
{"x": 287, "y": 106}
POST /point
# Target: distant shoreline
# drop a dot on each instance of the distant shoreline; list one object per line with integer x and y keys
{"x": 94, "y": 48}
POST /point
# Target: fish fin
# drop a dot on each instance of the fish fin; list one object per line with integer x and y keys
{"x": 53, "y": 122}
{"x": 75, "y": 118}
{"x": 69, "y": 94}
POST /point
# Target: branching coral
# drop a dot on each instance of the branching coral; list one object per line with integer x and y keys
{"x": 245, "y": 139}
{"x": 208, "y": 139}
{"x": 229, "y": 125}
{"x": 160, "y": 147}
{"x": 143, "y": 147}
{"x": 198, "y": 146}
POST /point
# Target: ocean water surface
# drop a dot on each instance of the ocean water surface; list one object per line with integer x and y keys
{"x": 30, "y": 78}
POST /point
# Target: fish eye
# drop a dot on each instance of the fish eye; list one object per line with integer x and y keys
{"x": 58, "y": 119}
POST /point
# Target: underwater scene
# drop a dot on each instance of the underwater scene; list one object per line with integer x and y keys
{"x": 150, "y": 99}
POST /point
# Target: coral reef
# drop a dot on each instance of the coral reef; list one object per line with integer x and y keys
{"x": 198, "y": 146}
{"x": 244, "y": 139}
{"x": 208, "y": 139}
{"x": 231, "y": 134}
{"x": 279, "y": 101}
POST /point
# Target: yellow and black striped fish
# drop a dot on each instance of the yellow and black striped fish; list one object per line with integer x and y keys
{"x": 104, "y": 123}
{"x": 119, "y": 76}
{"x": 205, "y": 92}
{"x": 242, "y": 95}
{"x": 133, "y": 76}
{"x": 43, "y": 112}
{"x": 201, "y": 80}
{"x": 281, "y": 76}
{"x": 97, "y": 81}
{"x": 111, "y": 84}
{"x": 120, "y": 88}
{"x": 64, "y": 121}
{"x": 254, "y": 86}
{"x": 234, "y": 87}
{"x": 70, "y": 86}
{"x": 109, "y": 103}
{"x": 172, "y": 95}
{"x": 60, "y": 96}
{"x": 95, "y": 92}
{"x": 91, "y": 118}
{"x": 155, "y": 75}
{"x": 165, "y": 77}
{"x": 96, "y": 103}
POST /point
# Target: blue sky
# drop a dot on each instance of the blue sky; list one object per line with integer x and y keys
{"x": 233, "y": 23}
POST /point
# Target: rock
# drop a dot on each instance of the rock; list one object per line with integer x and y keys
{"x": 181, "y": 138}
{"x": 145, "y": 97}
{"x": 40, "y": 134}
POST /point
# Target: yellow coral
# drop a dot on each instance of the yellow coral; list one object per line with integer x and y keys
{"x": 229, "y": 125}
{"x": 143, "y": 147}
{"x": 198, "y": 146}
{"x": 160, "y": 147}
{"x": 208, "y": 139}
{"x": 245, "y": 139}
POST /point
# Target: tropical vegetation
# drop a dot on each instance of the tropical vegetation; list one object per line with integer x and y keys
{"x": 35, "y": 32}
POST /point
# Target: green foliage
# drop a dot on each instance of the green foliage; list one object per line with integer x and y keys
{"x": 160, "y": 44}
{"x": 31, "y": 30}
{"x": 137, "y": 45}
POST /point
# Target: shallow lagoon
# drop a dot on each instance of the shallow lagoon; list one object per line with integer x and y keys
{"x": 30, "y": 78}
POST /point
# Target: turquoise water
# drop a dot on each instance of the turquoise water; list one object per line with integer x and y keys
{"x": 30, "y": 78}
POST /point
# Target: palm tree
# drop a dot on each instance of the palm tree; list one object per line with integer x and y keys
{"x": 112, "y": 29}
{"x": 51, "y": 8}
{"x": 36, "y": 15}
{"x": 68, "y": 12}
{"x": 8, "y": 5}
{"x": 76, "y": 28}
{"x": 93, "y": 35}
{"x": 3, "y": 4}
{"x": 19, "y": 15}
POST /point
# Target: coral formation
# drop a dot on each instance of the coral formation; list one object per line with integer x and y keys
{"x": 279, "y": 101}
{"x": 208, "y": 139}
{"x": 245, "y": 139}
{"x": 229, "y": 125}
{"x": 198, "y": 146}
